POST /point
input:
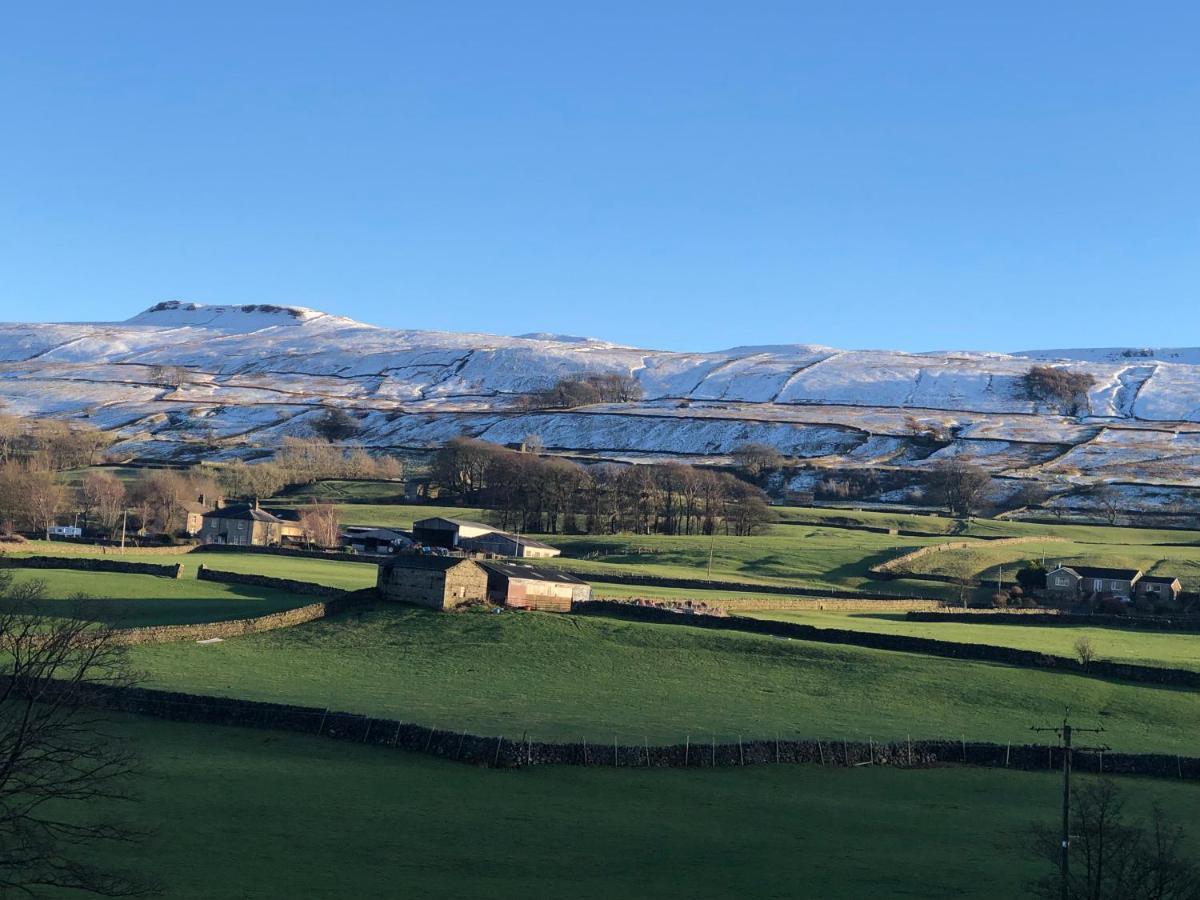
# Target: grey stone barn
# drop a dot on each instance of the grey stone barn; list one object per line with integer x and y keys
{"x": 523, "y": 586}
{"x": 438, "y": 582}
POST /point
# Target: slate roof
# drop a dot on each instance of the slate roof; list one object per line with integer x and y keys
{"x": 426, "y": 563}
{"x": 243, "y": 511}
{"x": 1159, "y": 579}
{"x": 533, "y": 573}
{"x": 1110, "y": 574}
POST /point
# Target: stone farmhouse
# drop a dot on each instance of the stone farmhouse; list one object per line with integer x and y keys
{"x": 523, "y": 586}
{"x": 248, "y": 525}
{"x": 436, "y": 582}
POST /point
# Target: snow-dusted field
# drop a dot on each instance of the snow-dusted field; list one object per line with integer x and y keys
{"x": 182, "y": 376}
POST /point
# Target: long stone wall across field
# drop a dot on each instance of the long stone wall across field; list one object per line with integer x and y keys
{"x": 901, "y": 566}
{"x": 1043, "y": 618}
{"x": 502, "y": 752}
{"x": 91, "y": 564}
{"x": 899, "y": 642}
{"x": 289, "y": 585}
{"x": 740, "y": 587}
{"x": 291, "y": 551}
{"x": 231, "y": 628}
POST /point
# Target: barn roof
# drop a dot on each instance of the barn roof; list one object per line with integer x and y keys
{"x": 435, "y": 521}
{"x": 532, "y": 573}
{"x": 426, "y": 563}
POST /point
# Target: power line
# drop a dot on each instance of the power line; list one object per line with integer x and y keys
{"x": 1065, "y": 732}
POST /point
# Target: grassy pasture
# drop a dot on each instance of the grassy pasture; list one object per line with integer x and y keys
{"x": 987, "y": 559}
{"x": 334, "y": 573}
{"x": 571, "y": 677}
{"x": 1146, "y": 648}
{"x": 292, "y": 816}
{"x": 138, "y": 600}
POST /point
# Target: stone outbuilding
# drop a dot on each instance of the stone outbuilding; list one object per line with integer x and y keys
{"x": 438, "y": 582}
{"x": 528, "y": 587}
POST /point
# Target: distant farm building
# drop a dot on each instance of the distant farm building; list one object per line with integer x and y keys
{"x": 526, "y": 587}
{"x": 438, "y": 582}
{"x": 247, "y": 525}
{"x": 448, "y": 533}
{"x": 1074, "y": 582}
{"x": 376, "y": 541}
{"x": 66, "y": 531}
{"x": 1159, "y": 587}
{"x": 501, "y": 543}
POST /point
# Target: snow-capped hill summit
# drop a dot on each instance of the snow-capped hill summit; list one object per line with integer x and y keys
{"x": 250, "y": 317}
{"x": 187, "y": 381}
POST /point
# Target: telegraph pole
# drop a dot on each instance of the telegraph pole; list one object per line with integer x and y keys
{"x": 1065, "y": 732}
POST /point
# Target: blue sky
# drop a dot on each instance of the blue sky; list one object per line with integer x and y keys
{"x": 681, "y": 175}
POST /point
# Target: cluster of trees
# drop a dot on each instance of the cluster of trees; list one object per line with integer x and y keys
{"x": 1064, "y": 389}
{"x": 556, "y": 495}
{"x": 962, "y": 487}
{"x": 301, "y": 461}
{"x": 50, "y": 443}
{"x": 582, "y": 390}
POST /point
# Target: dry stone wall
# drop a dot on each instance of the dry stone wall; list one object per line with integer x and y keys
{"x": 91, "y": 564}
{"x": 900, "y": 642}
{"x": 503, "y": 752}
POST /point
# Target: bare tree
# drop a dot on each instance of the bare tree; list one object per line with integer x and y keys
{"x": 757, "y": 461}
{"x": 959, "y": 568}
{"x": 104, "y": 494}
{"x": 1085, "y": 651}
{"x": 1114, "y": 857}
{"x": 335, "y": 424}
{"x": 320, "y": 524}
{"x": 1111, "y": 502}
{"x": 962, "y": 487}
{"x": 57, "y": 757}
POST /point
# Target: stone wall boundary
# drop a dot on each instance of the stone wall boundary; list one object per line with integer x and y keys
{"x": 738, "y": 587}
{"x": 1071, "y": 620}
{"x": 307, "y": 588}
{"x": 503, "y": 752}
{"x": 336, "y": 556}
{"x": 91, "y": 564}
{"x": 898, "y": 566}
{"x": 1165, "y": 677}
{"x": 231, "y": 628}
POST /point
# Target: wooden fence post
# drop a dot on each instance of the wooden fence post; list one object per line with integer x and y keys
{"x": 687, "y": 749}
{"x": 496, "y": 761}
{"x": 321, "y": 727}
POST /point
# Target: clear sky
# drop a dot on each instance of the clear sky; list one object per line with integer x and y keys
{"x": 691, "y": 175}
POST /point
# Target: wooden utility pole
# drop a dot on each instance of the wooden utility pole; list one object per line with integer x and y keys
{"x": 1065, "y": 732}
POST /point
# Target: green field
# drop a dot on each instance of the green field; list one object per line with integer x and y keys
{"x": 571, "y": 677}
{"x": 281, "y": 815}
{"x": 1146, "y": 648}
{"x": 138, "y": 600}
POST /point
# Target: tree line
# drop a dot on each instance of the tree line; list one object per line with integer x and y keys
{"x": 551, "y": 496}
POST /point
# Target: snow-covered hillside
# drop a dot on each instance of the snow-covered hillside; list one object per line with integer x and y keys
{"x": 183, "y": 380}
